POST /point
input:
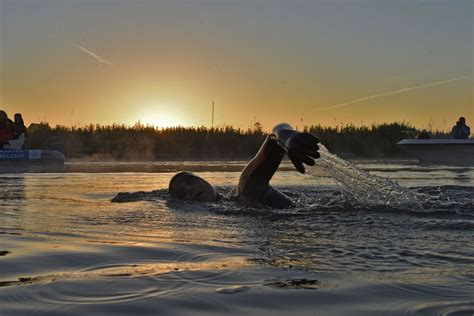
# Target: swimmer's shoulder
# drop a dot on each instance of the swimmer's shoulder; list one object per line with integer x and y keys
{"x": 270, "y": 197}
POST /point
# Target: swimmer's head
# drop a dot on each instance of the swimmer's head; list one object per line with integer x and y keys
{"x": 188, "y": 186}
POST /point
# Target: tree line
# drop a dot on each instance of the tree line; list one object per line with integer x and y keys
{"x": 140, "y": 142}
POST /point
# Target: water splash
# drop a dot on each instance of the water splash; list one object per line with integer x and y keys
{"x": 363, "y": 189}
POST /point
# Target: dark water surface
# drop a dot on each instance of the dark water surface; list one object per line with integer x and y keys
{"x": 65, "y": 248}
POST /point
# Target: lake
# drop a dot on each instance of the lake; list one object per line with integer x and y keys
{"x": 66, "y": 249}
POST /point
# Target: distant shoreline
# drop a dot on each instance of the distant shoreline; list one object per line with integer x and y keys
{"x": 145, "y": 143}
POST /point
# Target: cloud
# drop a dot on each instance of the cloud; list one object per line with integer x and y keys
{"x": 374, "y": 96}
{"x": 91, "y": 53}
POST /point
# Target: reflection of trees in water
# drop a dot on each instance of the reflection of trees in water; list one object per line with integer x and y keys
{"x": 12, "y": 190}
{"x": 12, "y": 198}
{"x": 462, "y": 175}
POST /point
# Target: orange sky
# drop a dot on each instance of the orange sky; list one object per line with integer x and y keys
{"x": 164, "y": 62}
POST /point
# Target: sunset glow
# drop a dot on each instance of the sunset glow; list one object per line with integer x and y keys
{"x": 153, "y": 116}
{"x": 80, "y": 62}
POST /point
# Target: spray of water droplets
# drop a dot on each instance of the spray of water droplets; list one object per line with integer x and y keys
{"x": 363, "y": 189}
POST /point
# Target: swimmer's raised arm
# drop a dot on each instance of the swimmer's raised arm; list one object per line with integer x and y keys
{"x": 300, "y": 147}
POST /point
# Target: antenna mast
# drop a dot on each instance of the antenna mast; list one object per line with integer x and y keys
{"x": 212, "y": 124}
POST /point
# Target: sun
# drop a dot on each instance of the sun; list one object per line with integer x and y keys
{"x": 159, "y": 118}
{"x": 163, "y": 121}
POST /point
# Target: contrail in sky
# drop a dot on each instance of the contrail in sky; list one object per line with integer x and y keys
{"x": 370, "y": 97}
{"x": 97, "y": 57}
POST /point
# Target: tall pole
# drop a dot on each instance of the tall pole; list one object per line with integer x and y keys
{"x": 212, "y": 113}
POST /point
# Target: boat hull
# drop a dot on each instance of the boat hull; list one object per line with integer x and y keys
{"x": 13, "y": 157}
{"x": 442, "y": 151}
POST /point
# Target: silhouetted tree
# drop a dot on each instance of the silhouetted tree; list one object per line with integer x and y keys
{"x": 142, "y": 142}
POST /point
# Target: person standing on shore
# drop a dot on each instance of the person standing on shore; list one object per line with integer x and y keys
{"x": 461, "y": 130}
{"x": 18, "y": 126}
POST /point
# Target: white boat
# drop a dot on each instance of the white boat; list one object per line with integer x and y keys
{"x": 13, "y": 157}
{"x": 443, "y": 151}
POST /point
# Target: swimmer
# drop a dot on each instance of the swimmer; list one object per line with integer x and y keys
{"x": 301, "y": 148}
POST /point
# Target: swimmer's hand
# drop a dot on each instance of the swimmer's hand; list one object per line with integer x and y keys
{"x": 302, "y": 148}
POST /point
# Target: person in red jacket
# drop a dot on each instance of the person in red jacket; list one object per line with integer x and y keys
{"x": 6, "y": 129}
